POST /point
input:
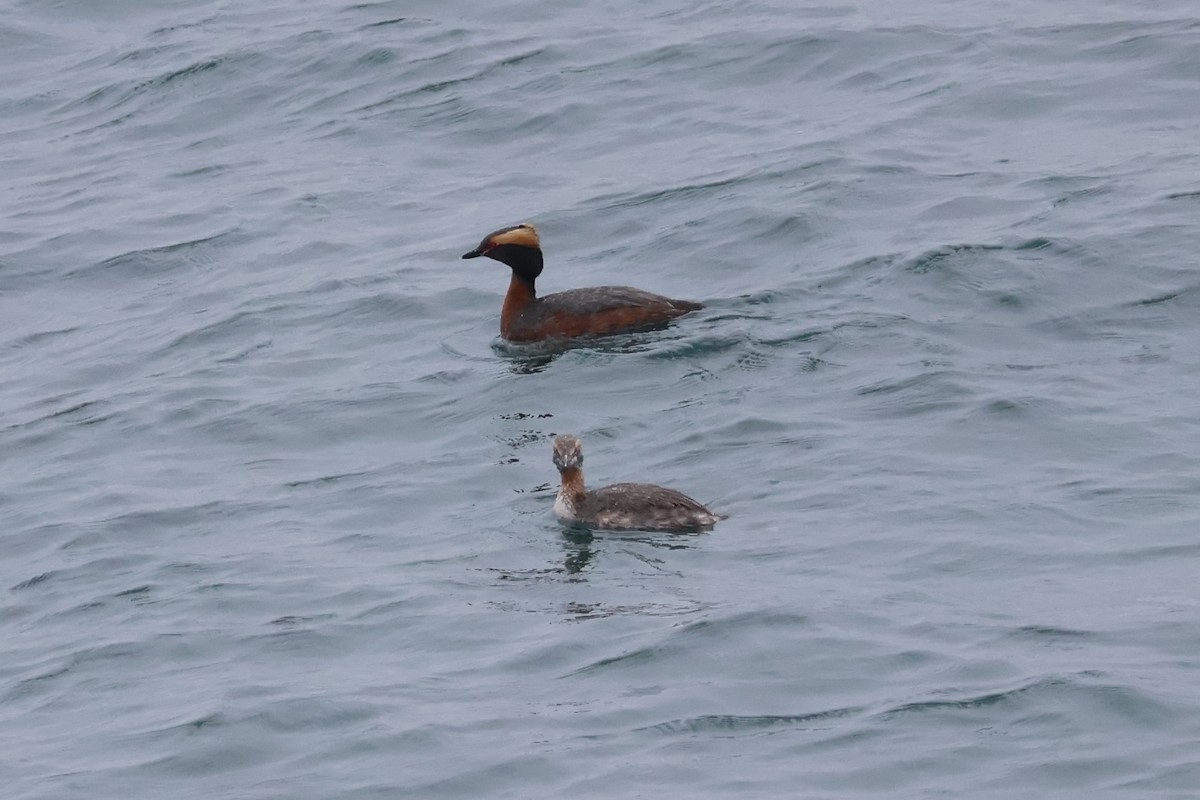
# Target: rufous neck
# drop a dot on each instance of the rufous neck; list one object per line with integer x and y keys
{"x": 520, "y": 296}
{"x": 572, "y": 481}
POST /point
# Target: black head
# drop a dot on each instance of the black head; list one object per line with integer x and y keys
{"x": 518, "y": 247}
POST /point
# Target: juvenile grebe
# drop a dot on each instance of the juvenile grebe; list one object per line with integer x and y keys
{"x": 526, "y": 317}
{"x": 622, "y": 506}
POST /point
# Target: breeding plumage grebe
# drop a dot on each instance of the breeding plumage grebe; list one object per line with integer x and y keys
{"x": 526, "y": 317}
{"x": 622, "y": 506}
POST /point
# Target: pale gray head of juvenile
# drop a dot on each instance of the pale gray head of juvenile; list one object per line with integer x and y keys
{"x": 568, "y": 452}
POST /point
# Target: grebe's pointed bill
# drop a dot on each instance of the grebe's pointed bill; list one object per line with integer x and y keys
{"x": 476, "y": 253}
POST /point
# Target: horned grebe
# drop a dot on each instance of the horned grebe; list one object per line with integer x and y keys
{"x": 622, "y": 506}
{"x": 526, "y": 317}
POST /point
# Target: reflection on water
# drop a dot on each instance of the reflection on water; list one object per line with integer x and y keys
{"x": 667, "y": 540}
{"x": 581, "y": 549}
{"x": 526, "y": 358}
{"x": 578, "y": 550}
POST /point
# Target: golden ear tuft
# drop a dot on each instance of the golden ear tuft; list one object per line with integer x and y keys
{"x": 524, "y": 235}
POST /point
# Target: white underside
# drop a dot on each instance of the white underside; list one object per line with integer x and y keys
{"x": 562, "y": 507}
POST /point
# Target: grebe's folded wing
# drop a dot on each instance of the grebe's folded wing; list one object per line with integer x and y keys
{"x": 597, "y": 299}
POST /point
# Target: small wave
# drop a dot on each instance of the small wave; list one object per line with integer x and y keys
{"x": 732, "y": 723}
{"x": 685, "y": 638}
{"x": 1081, "y": 693}
{"x": 166, "y": 259}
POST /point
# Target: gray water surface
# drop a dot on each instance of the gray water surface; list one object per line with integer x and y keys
{"x": 277, "y": 501}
